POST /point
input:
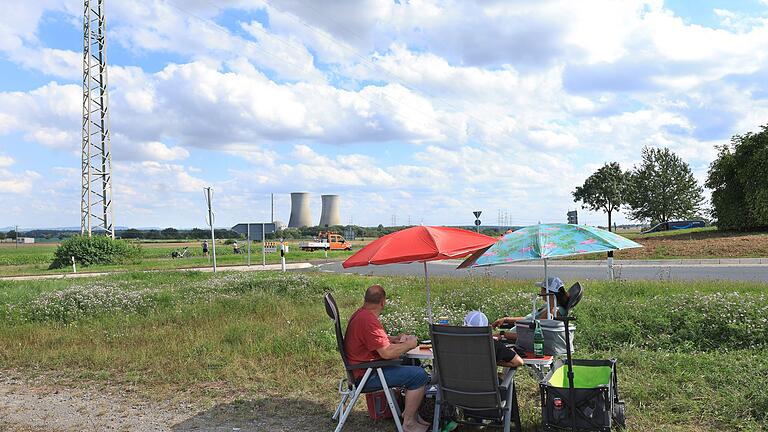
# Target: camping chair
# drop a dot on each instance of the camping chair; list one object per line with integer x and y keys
{"x": 349, "y": 387}
{"x": 575, "y": 292}
{"x": 465, "y": 363}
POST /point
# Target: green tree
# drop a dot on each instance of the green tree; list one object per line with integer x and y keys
{"x": 170, "y": 233}
{"x": 663, "y": 188}
{"x": 739, "y": 183}
{"x": 603, "y": 191}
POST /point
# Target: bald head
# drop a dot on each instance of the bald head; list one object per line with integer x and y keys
{"x": 375, "y": 294}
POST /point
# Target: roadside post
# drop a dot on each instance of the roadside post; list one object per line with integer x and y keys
{"x": 282, "y": 255}
{"x": 610, "y": 265}
{"x": 74, "y": 268}
{"x": 248, "y": 236}
{"x": 477, "y": 219}
{"x": 211, "y": 220}
{"x": 263, "y": 248}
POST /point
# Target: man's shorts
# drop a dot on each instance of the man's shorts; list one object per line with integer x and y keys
{"x": 410, "y": 377}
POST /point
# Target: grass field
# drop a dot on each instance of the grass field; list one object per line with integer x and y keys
{"x": 35, "y": 259}
{"x": 692, "y": 356}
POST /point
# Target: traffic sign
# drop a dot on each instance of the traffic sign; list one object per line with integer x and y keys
{"x": 477, "y": 222}
{"x": 477, "y": 215}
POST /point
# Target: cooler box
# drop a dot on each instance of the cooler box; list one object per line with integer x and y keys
{"x": 554, "y": 336}
{"x": 595, "y": 395}
{"x": 378, "y": 408}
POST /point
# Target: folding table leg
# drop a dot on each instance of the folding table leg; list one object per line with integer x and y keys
{"x": 390, "y": 400}
{"x": 351, "y": 405}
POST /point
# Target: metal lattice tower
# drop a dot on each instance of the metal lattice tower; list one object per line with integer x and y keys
{"x": 96, "y": 197}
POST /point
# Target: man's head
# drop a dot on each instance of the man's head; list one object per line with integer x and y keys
{"x": 375, "y": 295}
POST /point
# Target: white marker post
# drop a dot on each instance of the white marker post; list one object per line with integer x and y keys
{"x": 282, "y": 255}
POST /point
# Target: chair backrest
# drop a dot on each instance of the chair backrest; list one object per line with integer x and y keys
{"x": 333, "y": 312}
{"x": 575, "y": 293}
{"x": 465, "y": 362}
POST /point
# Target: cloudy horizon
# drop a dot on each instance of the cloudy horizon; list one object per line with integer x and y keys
{"x": 423, "y": 110}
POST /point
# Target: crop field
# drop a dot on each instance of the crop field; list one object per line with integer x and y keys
{"x": 35, "y": 259}
{"x": 692, "y": 356}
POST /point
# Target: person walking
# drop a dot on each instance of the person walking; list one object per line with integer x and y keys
{"x": 205, "y": 248}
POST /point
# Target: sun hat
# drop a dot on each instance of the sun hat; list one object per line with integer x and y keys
{"x": 553, "y": 284}
{"x": 475, "y": 319}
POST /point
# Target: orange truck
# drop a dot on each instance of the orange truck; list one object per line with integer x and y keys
{"x": 326, "y": 241}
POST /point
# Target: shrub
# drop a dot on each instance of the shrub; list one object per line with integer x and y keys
{"x": 79, "y": 302}
{"x": 94, "y": 250}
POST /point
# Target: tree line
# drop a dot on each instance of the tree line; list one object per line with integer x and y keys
{"x": 662, "y": 187}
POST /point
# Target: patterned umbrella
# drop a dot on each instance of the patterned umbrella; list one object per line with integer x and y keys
{"x": 544, "y": 241}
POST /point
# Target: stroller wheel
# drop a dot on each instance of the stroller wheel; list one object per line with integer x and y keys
{"x": 618, "y": 414}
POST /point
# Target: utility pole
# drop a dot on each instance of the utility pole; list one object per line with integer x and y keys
{"x": 208, "y": 199}
{"x": 96, "y": 155}
{"x": 17, "y": 236}
{"x": 273, "y": 208}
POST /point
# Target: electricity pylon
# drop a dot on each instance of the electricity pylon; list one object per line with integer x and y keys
{"x": 96, "y": 197}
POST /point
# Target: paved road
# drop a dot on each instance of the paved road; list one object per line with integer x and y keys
{"x": 634, "y": 270}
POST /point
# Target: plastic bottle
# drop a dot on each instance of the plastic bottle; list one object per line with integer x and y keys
{"x": 538, "y": 340}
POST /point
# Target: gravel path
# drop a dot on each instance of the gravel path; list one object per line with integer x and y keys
{"x": 36, "y": 405}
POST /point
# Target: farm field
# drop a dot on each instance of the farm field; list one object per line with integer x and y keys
{"x": 35, "y": 259}
{"x": 238, "y": 349}
{"x": 693, "y": 243}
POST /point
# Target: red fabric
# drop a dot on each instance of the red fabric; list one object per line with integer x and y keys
{"x": 365, "y": 335}
{"x": 419, "y": 243}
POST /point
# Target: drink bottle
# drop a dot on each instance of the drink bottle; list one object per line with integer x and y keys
{"x": 538, "y": 340}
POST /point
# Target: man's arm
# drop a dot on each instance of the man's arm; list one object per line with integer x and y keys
{"x": 505, "y": 320}
{"x": 395, "y": 350}
{"x": 515, "y": 362}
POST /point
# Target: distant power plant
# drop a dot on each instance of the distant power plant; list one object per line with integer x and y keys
{"x": 330, "y": 213}
{"x": 301, "y": 215}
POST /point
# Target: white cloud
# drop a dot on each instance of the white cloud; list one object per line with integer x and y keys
{"x": 6, "y": 161}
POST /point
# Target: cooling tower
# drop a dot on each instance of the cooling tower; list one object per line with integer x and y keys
{"x": 300, "y": 214}
{"x": 330, "y": 215}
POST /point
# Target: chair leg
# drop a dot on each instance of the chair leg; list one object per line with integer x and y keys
{"x": 515, "y": 410}
{"x": 438, "y": 413}
{"x": 391, "y": 400}
{"x": 340, "y": 407}
{"x": 351, "y": 405}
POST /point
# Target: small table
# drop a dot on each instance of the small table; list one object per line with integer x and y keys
{"x": 536, "y": 365}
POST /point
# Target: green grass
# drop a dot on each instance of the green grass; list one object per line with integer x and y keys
{"x": 692, "y": 356}
{"x": 670, "y": 233}
{"x": 34, "y": 260}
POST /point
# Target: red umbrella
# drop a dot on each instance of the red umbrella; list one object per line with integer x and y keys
{"x": 420, "y": 244}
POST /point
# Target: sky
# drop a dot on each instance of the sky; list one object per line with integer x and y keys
{"x": 417, "y": 111}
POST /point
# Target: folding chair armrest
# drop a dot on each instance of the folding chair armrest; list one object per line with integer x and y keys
{"x": 509, "y": 377}
{"x": 375, "y": 364}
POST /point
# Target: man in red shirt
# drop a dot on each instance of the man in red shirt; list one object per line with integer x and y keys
{"x": 366, "y": 341}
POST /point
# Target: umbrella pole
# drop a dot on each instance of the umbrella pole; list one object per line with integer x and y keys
{"x": 429, "y": 299}
{"x": 549, "y": 308}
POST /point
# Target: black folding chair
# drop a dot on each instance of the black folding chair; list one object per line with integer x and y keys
{"x": 575, "y": 292}
{"x": 465, "y": 363}
{"x": 349, "y": 386}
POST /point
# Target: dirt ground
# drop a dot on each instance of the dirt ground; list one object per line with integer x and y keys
{"x": 40, "y": 404}
{"x": 711, "y": 244}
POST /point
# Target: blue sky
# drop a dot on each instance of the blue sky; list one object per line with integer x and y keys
{"x": 422, "y": 109}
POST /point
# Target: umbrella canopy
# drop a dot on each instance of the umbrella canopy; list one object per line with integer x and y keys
{"x": 419, "y": 244}
{"x": 545, "y": 241}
